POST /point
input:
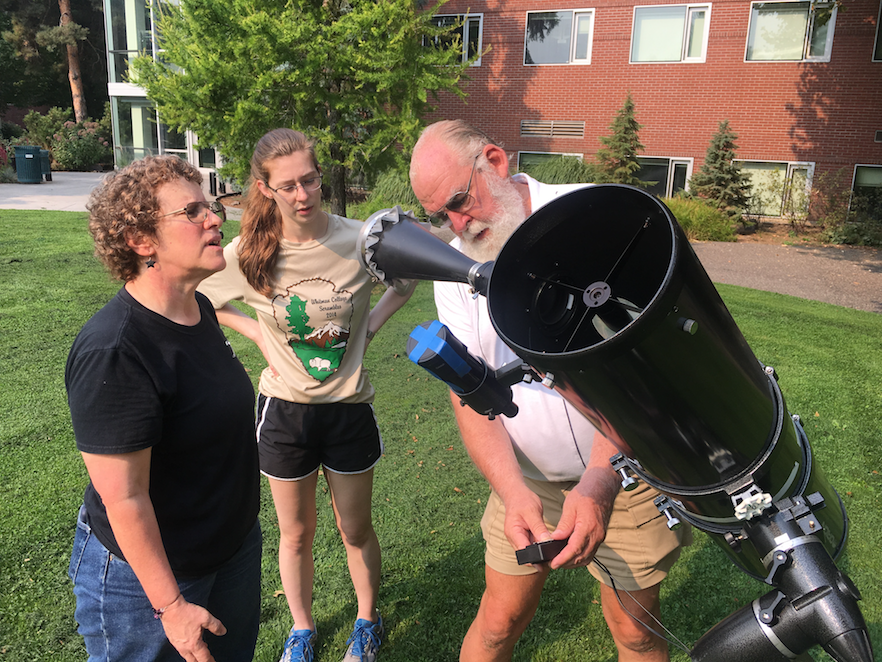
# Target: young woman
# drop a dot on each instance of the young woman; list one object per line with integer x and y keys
{"x": 296, "y": 265}
{"x": 166, "y": 557}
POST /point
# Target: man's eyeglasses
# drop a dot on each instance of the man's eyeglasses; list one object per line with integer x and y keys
{"x": 459, "y": 202}
{"x": 197, "y": 212}
{"x": 311, "y": 184}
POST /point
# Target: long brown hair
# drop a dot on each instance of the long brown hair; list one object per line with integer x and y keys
{"x": 261, "y": 228}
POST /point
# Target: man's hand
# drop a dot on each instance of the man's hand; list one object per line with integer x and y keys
{"x": 523, "y": 519}
{"x": 585, "y": 516}
{"x": 183, "y": 623}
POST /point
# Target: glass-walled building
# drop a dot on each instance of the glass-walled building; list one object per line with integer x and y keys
{"x": 138, "y": 131}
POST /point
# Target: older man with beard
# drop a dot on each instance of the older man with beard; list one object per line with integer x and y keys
{"x": 548, "y": 467}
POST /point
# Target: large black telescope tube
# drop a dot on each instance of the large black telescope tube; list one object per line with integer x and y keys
{"x": 602, "y": 294}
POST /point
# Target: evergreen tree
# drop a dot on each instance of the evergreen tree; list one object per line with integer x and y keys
{"x": 355, "y": 75}
{"x": 720, "y": 180}
{"x": 618, "y": 157}
{"x": 46, "y": 42}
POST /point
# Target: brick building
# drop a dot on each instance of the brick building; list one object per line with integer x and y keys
{"x": 799, "y": 82}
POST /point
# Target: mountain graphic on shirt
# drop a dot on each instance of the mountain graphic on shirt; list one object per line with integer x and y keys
{"x": 315, "y": 318}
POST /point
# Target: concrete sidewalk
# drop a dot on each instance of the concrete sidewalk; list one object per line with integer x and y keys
{"x": 841, "y": 275}
{"x": 68, "y": 191}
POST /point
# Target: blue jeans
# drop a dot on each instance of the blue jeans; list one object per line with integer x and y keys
{"x": 116, "y": 618}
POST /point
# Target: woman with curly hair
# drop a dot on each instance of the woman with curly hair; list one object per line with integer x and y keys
{"x": 297, "y": 267}
{"x": 166, "y": 558}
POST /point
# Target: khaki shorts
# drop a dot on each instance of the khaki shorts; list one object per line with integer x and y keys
{"x": 639, "y": 549}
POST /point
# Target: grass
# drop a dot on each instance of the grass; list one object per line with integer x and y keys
{"x": 428, "y": 498}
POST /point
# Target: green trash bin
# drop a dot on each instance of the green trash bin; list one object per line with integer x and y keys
{"x": 45, "y": 166}
{"x": 27, "y": 164}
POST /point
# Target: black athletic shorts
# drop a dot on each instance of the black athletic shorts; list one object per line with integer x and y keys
{"x": 294, "y": 439}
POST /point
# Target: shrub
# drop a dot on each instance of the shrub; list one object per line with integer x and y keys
{"x": 7, "y": 175}
{"x": 41, "y": 129}
{"x": 73, "y": 145}
{"x": 700, "y": 220}
{"x": 10, "y": 130}
{"x": 863, "y": 226}
{"x": 392, "y": 188}
{"x": 563, "y": 170}
{"x": 80, "y": 146}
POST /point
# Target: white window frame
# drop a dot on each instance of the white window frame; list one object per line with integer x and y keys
{"x": 854, "y": 179}
{"x": 809, "y": 166}
{"x": 691, "y": 8}
{"x": 578, "y": 155}
{"x": 861, "y": 165}
{"x": 464, "y": 32}
{"x": 572, "y": 57}
{"x": 673, "y": 161}
{"x": 828, "y": 46}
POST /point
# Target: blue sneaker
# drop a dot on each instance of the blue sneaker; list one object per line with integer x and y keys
{"x": 365, "y": 640}
{"x": 299, "y": 646}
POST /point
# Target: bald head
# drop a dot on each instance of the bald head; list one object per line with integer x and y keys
{"x": 459, "y": 140}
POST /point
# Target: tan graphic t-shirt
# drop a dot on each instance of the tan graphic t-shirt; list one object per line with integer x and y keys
{"x": 315, "y": 322}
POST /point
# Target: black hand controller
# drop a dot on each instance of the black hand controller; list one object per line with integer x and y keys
{"x": 540, "y": 552}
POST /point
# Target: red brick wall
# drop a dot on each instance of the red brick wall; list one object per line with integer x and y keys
{"x": 827, "y": 113}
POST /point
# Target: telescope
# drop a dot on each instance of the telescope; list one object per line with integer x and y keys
{"x": 602, "y": 298}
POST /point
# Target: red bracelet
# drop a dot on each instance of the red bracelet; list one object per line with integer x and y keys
{"x": 157, "y": 613}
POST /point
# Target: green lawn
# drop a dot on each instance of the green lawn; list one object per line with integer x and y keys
{"x": 428, "y": 498}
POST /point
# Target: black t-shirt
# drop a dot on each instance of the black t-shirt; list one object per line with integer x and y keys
{"x": 137, "y": 380}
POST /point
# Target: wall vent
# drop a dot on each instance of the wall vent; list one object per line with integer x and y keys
{"x": 552, "y": 128}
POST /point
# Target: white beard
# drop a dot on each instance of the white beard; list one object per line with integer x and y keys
{"x": 500, "y": 225}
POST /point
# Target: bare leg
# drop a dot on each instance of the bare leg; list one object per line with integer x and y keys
{"x": 507, "y": 607}
{"x": 295, "y": 508}
{"x": 634, "y": 642}
{"x": 351, "y": 497}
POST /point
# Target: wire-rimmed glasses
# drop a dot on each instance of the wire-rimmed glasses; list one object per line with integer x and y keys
{"x": 197, "y": 212}
{"x": 460, "y": 202}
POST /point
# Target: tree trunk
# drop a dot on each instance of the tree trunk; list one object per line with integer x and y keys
{"x": 337, "y": 183}
{"x": 73, "y": 68}
{"x": 337, "y": 190}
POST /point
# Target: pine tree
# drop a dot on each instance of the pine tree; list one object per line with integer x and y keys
{"x": 720, "y": 180}
{"x": 618, "y": 158}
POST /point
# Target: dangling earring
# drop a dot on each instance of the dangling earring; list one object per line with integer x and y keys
{"x": 151, "y": 262}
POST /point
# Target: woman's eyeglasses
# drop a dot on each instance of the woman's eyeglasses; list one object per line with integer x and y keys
{"x": 459, "y": 202}
{"x": 311, "y": 184}
{"x": 197, "y": 212}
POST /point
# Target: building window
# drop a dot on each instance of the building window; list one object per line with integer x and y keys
{"x": 529, "y": 160}
{"x": 867, "y": 189}
{"x": 134, "y": 129}
{"x": 559, "y": 37}
{"x": 790, "y": 31}
{"x": 129, "y": 33}
{"x": 778, "y": 188}
{"x": 469, "y": 33}
{"x": 668, "y": 176}
{"x": 877, "y": 49}
{"x": 672, "y": 33}
{"x": 172, "y": 142}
